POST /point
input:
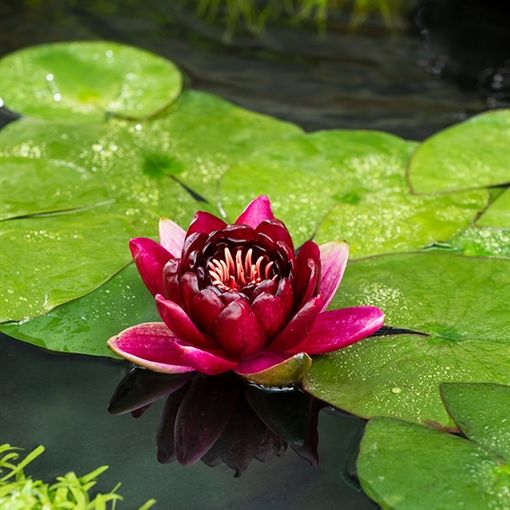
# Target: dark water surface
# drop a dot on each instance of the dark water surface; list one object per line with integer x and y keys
{"x": 370, "y": 80}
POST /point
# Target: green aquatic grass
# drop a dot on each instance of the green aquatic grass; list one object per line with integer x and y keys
{"x": 19, "y": 491}
{"x": 254, "y": 15}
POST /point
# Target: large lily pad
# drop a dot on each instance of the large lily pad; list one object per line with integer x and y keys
{"x": 50, "y": 259}
{"x": 460, "y": 303}
{"x": 498, "y": 214}
{"x": 468, "y": 155}
{"x": 84, "y": 81}
{"x": 349, "y": 185}
{"x": 399, "y": 462}
{"x": 83, "y": 325}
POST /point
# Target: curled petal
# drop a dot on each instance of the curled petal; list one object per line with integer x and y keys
{"x": 333, "y": 261}
{"x": 181, "y": 325}
{"x": 203, "y": 361}
{"x": 256, "y": 212}
{"x": 205, "y": 223}
{"x": 336, "y": 329}
{"x": 239, "y": 331}
{"x": 171, "y": 237}
{"x": 149, "y": 345}
{"x": 299, "y": 326}
{"x": 150, "y": 259}
{"x": 189, "y": 287}
{"x": 307, "y": 272}
{"x": 171, "y": 286}
{"x": 277, "y": 231}
{"x": 272, "y": 369}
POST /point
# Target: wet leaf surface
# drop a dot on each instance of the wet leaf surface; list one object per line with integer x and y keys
{"x": 459, "y": 302}
{"x": 84, "y": 81}
{"x": 468, "y": 155}
{"x": 399, "y": 462}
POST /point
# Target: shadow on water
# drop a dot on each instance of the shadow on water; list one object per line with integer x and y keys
{"x": 61, "y": 401}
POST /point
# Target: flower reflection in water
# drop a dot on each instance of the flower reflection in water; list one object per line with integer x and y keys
{"x": 221, "y": 419}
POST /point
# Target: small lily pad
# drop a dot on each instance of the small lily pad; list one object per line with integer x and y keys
{"x": 82, "y": 325}
{"x": 469, "y": 155}
{"x": 399, "y": 462}
{"x": 85, "y": 81}
{"x": 459, "y": 304}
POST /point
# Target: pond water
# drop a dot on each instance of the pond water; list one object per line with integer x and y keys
{"x": 368, "y": 79}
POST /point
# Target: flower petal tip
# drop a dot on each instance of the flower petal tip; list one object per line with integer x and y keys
{"x": 256, "y": 212}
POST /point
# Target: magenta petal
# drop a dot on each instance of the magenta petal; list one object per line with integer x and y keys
{"x": 171, "y": 284}
{"x": 205, "y": 223}
{"x": 261, "y": 362}
{"x": 180, "y": 324}
{"x": 273, "y": 310}
{"x": 150, "y": 259}
{"x": 171, "y": 237}
{"x": 239, "y": 331}
{"x": 149, "y": 345}
{"x": 299, "y": 327}
{"x": 336, "y": 329}
{"x": 277, "y": 231}
{"x": 307, "y": 266}
{"x": 189, "y": 287}
{"x": 256, "y": 212}
{"x": 333, "y": 261}
{"x": 203, "y": 361}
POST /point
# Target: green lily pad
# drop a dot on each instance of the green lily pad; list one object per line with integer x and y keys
{"x": 407, "y": 466}
{"x": 469, "y": 155}
{"x": 83, "y": 325}
{"x": 498, "y": 214}
{"x": 84, "y": 81}
{"x": 349, "y": 185}
{"x": 482, "y": 242}
{"x": 482, "y": 412}
{"x": 460, "y": 306}
{"x": 50, "y": 259}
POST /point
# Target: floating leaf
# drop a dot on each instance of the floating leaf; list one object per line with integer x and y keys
{"x": 83, "y": 325}
{"x": 459, "y": 302}
{"x": 350, "y": 185}
{"x": 84, "y": 81}
{"x": 498, "y": 214}
{"x": 483, "y": 242}
{"x": 469, "y": 155}
{"x": 399, "y": 462}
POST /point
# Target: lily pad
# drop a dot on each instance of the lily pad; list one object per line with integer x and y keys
{"x": 81, "y": 326}
{"x": 482, "y": 242}
{"x": 498, "y": 214}
{"x": 459, "y": 304}
{"x": 469, "y": 155}
{"x": 467, "y": 473}
{"x": 53, "y": 258}
{"x": 84, "y": 81}
{"x": 349, "y": 185}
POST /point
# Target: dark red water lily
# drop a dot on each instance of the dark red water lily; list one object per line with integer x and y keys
{"x": 240, "y": 297}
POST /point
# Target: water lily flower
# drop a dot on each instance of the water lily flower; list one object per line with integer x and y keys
{"x": 240, "y": 297}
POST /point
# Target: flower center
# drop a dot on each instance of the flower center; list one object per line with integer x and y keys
{"x": 236, "y": 271}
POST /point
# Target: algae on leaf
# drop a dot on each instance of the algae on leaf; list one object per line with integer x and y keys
{"x": 459, "y": 304}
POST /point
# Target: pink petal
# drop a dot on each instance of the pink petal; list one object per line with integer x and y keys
{"x": 204, "y": 361}
{"x": 149, "y": 345}
{"x": 205, "y": 223}
{"x": 256, "y": 212}
{"x": 171, "y": 236}
{"x": 261, "y": 362}
{"x": 333, "y": 261}
{"x": 150, "y": 259}
{"x": 299, "y": 326}
{"x": 180, "y": 324}
{"x": 277, "y": 231}
{"x": 239, "y": 331}
{"x": 205, "y": 307}
{"x": 336, "y": 329}
{"x": 171, "y": 284}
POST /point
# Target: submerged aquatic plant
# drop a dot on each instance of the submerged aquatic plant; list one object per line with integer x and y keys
{"x": 240, "y": 297}
{"x": 18, "y": 491}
